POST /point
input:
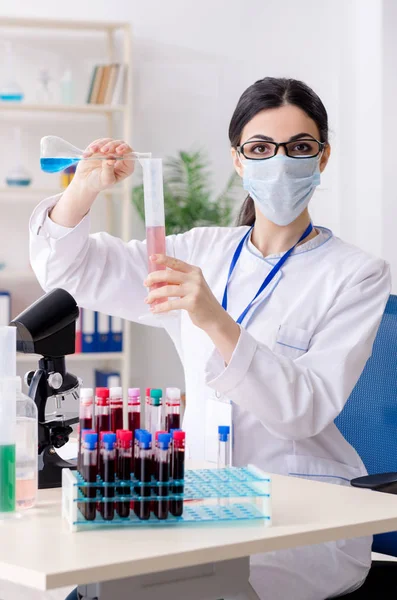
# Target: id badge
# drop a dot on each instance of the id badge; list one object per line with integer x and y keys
{"x": 218, "y": 411}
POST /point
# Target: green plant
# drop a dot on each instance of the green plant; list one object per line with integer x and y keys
{"x": 188, "y": 196}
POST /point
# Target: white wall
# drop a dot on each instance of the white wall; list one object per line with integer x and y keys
{"x": 194, "y": 59}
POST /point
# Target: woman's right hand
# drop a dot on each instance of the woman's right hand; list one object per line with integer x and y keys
{"x": 92, "y": 177}
{"x": 98, "y": 175}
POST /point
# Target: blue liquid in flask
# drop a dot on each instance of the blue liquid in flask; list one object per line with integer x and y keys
{"x": 55, "y": 165}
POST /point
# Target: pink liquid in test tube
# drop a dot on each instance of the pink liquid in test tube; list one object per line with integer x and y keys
{"x": 154, "y": 211}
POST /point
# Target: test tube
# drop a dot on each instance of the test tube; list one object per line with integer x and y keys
{"x": 161, "y": 506}
{"x": 142, "y": 506}
{"x": 90, "y": 469}
{"x": 124, "y": 463}
{"x": 116, "y": 408}
{"x": 223, "y": 446}
{"x": 80, "y": 448}
{"x": 85, "y": 414}
{"x": 172, "y": 408}
{"x": 135, "y": 451}
{"x": 178, "y": 471}
{"x": 154, "y": 210}
{"x": 108, "y": 470}
{"x": 134, "y": 409}
{"x": 147, "y": 409}
{"x": 102, "y": 409}
{"x": 155, "y": 453}
{"x": 156, "y": 411}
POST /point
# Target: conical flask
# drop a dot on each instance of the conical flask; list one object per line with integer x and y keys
{"x": 56, "y": 154}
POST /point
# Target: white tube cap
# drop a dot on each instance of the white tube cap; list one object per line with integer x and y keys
{"x": 8, "y": 352}
{"x": 86, "y": 393}
{"x": 173, "y": 393}
{"x": 115, "y": 392}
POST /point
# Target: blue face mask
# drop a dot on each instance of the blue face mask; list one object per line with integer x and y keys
{"x": 281, "y": 186}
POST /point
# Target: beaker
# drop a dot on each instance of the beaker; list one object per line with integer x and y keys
{"x": 56, "y": 154}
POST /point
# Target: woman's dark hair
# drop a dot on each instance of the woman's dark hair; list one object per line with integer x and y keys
{"x": 272, "y": 92}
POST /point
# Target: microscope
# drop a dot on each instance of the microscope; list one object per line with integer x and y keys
{"x": 48, "y": 328}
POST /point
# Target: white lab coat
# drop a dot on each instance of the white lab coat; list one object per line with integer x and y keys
{"x": 300, "y": 353}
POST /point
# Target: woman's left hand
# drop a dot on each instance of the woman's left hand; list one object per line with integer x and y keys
{"x": 183, "y": 287}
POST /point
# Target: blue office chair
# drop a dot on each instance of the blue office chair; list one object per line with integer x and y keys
{"x": 369, "y": 423}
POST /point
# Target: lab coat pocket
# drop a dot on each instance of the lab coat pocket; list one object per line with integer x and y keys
{"x": 322, "y": 469}
{"x": 292, "y": 342}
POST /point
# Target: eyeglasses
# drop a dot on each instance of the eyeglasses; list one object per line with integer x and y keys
{"x": 262, "y": 150}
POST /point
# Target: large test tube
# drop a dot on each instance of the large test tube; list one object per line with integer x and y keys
{"x": 154, "y": 210}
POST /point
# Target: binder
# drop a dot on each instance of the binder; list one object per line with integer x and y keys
{"x": 5, "y": 308}
{"x": 78, "y": 348}
{"x": 88, "y": 331}
{"x": 103, "y": 333}
{"x": 116, "y": 334}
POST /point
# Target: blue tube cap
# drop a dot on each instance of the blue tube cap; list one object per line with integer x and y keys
{"x": 172, "y": 431}
{"x": 145, "y": 440}
{"x": 109, "y": 441}
{"x": 91, "y": 441}
{"x": 224, "y": 432}
{"x": 164, "y": 440}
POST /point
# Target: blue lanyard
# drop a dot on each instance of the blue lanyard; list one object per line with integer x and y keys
{"x": 270, "y": 276}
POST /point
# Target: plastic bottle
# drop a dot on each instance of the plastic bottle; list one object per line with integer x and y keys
{"x": 26, "y": 451}
{"x": 8, "y": 405}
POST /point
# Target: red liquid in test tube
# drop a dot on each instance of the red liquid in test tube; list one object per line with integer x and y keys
{"x": 116, "y": 408}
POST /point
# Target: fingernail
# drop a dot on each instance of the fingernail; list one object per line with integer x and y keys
{"x": 152, "y": 308}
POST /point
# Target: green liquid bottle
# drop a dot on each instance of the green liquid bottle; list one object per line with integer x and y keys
{"x": 7, "y": 478}
{"x": 9, "y": 384}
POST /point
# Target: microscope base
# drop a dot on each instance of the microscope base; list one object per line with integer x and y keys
{"x": 50, "y": 469}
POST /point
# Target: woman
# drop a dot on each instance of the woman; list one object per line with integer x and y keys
{"x": 274, "y": 320}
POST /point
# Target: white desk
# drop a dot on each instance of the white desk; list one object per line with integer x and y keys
{"x": 41, "y": 553}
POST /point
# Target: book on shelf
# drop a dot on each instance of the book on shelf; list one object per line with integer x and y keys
{"x": 107, "y": 84}
{"x": 97, "y": 332}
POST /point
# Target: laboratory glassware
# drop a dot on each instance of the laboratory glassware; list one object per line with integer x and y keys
{"x": 116, "y": 408}
{"x": 56, "y": 154}
{"x": 223, "y": 446}
{"x": 178, "y": 471}
{"x": 172, "y": 408}
{"x": 10, "y": 91}
{"x": 18, "y": 175}
{"x": 26, "y": 451}
{"x": 8, "y": 406}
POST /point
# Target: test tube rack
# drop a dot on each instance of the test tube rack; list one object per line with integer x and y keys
{"x": 210, "y": 495}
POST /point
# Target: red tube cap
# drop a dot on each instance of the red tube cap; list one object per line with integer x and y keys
{"x": 124, "y": 438}
{"x": 102, "y": 392}
{"x": 148, "y": 391}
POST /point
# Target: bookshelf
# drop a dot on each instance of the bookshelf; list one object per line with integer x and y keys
{"x": 116, "y": 120}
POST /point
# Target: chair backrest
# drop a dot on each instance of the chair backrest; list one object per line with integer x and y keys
{"x": 369, "y": 419}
